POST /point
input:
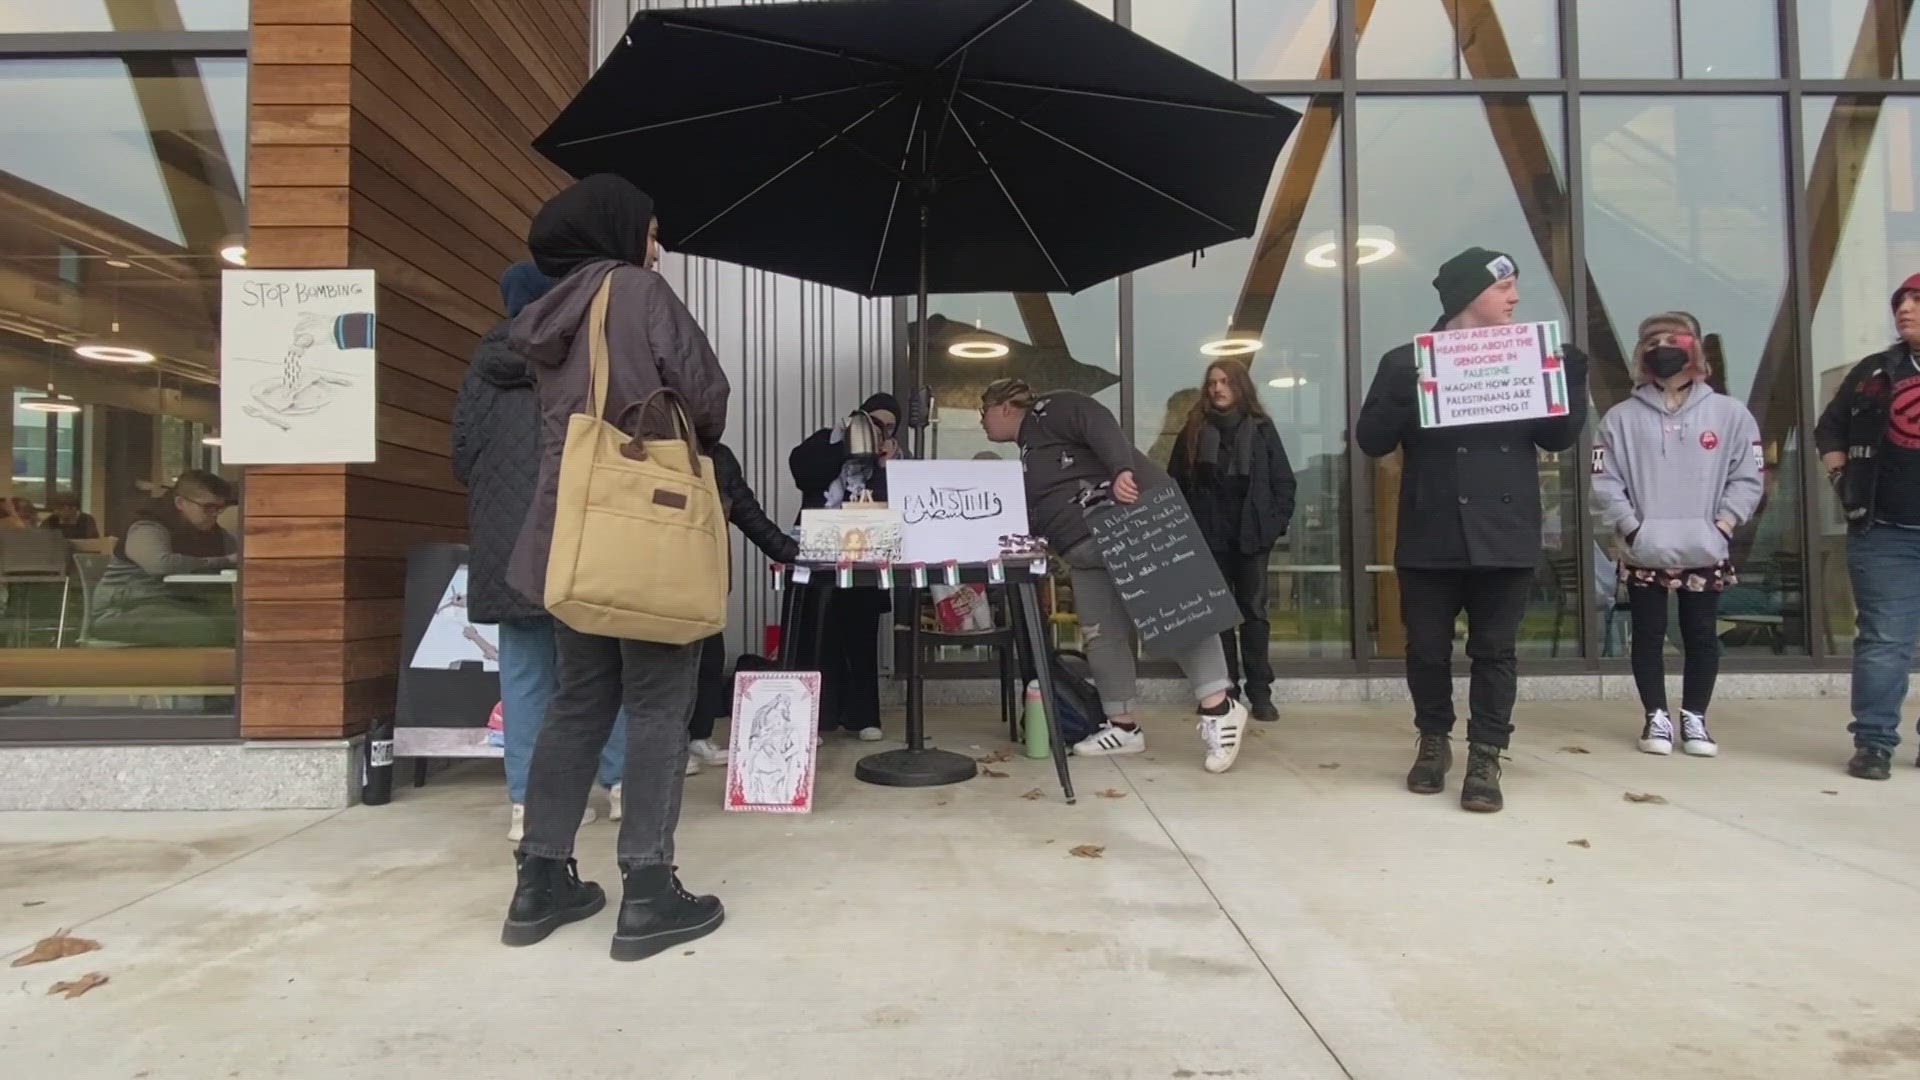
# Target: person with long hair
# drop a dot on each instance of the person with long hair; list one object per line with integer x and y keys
{"x": 1233, "y": 469}
{"x": 1676, "y": 471}
{"x": 601, "y": 230}
{"x": 177, "y": 533}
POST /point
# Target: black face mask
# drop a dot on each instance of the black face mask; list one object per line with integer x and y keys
{"x": 1667, "y": 361}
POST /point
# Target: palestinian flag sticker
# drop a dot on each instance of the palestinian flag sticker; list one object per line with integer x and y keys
{"x": 1553, "y": 373}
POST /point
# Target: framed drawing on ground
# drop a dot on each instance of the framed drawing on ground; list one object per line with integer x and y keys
{"x": 775, "y": 717}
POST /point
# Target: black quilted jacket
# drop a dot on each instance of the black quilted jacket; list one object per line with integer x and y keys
{"x": 496, "y": 453}
{"x": 744, "y": 510}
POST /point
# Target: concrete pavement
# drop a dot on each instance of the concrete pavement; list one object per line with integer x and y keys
{"x": 1302, "y": 916}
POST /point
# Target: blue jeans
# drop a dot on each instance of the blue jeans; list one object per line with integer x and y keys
{"x": 1884, "y": 566}
{"x": 527, "y": 682}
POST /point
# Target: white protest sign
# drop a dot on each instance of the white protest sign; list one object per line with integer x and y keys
{"x": 1490, "y": 374}
{"x": 956, "y": 511}
{"x": 296, "y": 367}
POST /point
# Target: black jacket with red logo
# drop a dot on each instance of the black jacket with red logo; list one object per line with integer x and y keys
{"x": 1856, "y": 423}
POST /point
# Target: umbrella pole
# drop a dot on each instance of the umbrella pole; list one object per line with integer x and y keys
{"x": 916, "y": 766}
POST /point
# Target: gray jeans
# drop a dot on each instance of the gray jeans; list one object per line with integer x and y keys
{"x": 1108, "y": 632}
{"x": 597, "y": 675}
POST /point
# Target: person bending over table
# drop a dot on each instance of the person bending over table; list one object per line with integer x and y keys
{"x": 1070, "y": 446}
{"x": 177, "y": 533}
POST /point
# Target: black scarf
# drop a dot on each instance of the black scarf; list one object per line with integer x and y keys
{"x": 1224, "y": 430}
{"x": 602, "y": 217}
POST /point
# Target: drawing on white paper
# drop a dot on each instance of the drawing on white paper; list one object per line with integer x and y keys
{"x": 450, "y": 639}
{"x": 297, "y": 366}
{"x": 772, "y": 765}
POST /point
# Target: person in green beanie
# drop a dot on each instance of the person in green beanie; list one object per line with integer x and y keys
{"x": 1469, "y": 531}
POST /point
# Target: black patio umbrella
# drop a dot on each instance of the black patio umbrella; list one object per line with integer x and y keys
{"x": 894, "y": 147}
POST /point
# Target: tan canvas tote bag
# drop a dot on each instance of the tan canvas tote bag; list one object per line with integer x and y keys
{"x": 639, "y": 535}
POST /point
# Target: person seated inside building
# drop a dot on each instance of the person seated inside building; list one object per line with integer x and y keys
{"x": 147, "y": 595}
{"x": 65, "y": 517}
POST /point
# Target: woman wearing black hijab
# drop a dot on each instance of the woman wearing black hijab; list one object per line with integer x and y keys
{"x": 604, "y": 226}
{"x": 834, "y": 467}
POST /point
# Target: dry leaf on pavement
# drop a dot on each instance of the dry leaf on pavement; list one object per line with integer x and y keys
{"x": 58, "y": 947}
{"x": 1331, "y": 765}
{"x": 1575, "y": 750}
{"x": 995, "y": 773}
{"x": 995, "y": 758}
{"x": 1088, "y": 851}
{"x": 73, "y": 988}
{"x": 1033, "y": 795}
{"x": 1829, "y": 793}
{"x": 1645, "y": 797}
{"x": 32, "y": 903}
{"x": 1580, "y": 843}
{"x": 1113, "y": 793}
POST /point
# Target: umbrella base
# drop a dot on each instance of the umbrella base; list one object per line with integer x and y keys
{"x": 916, "y": 768}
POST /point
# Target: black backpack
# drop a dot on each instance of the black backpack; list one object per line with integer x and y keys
{"x": 1080, "y": 711}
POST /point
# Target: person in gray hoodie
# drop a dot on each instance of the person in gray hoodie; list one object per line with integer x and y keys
{"x": 1676, "y": 470}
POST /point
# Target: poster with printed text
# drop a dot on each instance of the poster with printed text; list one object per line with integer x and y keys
{"x": 775, "y": 717}
{"x": 956, "y": 511}
{"x": 297, "y": 367}
{"x": 1490, "y": 375}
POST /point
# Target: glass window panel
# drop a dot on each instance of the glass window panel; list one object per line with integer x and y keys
{"x": 1855, "y": 39}
{"x": 1628, "y": 39}
{"x": 1729, "y": 39}
{"x": 123, "y": 178}
{"x": 1284, "y": 39}
{"x": 1863, "y": 236}
{"x": 1669, "y": 227}
{"x": 1496, "y": 164}
{"x": 1444, "y": 39}
{"x": 49, "y": 16}
{"x": 1200, "y": 30}
{"x": 1282, "y": 288}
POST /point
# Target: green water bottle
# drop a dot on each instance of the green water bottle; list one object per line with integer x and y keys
{"x": 1035, "y": 724}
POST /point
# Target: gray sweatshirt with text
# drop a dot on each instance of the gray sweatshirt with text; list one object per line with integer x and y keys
{"x": 1663, "y": 478}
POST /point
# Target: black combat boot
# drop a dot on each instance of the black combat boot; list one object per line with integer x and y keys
{"x": 1260, "y": 703}
{"x": 548, "y": 896}
{"x": 1481, "y": 792}
{"x": 1871, "y": 763}
{"x": 656, "y": 913}
{"x": 1431, "y": 760}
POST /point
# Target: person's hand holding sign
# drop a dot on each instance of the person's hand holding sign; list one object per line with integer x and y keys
{"x": 1126, "y": 490}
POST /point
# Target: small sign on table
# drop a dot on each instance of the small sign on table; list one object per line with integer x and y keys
{"x": 1490, "y": 374}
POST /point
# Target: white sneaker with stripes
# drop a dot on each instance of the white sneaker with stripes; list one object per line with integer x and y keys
{"x": 1223, "y": 736}
{"x": 1110, "y": 741}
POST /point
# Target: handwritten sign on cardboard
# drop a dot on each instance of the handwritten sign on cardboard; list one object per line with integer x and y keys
{"x": 956, "y": 511}
{"x": 1168, "y": 580}
{"x": 1490, "y": 374}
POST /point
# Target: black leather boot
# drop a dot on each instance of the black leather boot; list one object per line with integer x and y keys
{"x": 1260, "y": 703}
{"x": 1431, "y": 760}
{"x": 549, "y": 895}
{"x": 656, "y": 913}
{"x": 1481, "y": 792}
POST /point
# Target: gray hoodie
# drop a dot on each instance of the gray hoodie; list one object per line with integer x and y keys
{"x": 1663, "y": 478}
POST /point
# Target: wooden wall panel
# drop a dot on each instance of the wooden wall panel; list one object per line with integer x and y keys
{"x": 393, "y": 135}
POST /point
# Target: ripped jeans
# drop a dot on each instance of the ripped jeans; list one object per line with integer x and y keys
{"x": 1110, "y": 640}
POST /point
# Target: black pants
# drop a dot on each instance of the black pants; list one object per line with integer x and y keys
{"x": 1699, "y": 611}
{"x": 1494, "y": 600}
{"x": 1247, "y": 647}
{"x": 715, "y": 698}
{"x": 846, "y": 653}
{"x": 597, "y": 675}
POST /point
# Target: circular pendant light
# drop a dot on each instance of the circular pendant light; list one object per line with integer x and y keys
{"x": 977, "y": 344}
{"x": 49, "y": 402}
{"x": 1232, "y": 345}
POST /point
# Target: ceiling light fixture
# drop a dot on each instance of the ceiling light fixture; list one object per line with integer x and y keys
{"x": 50, "y": 402}
{"x": 1373, "y": 244}
{"x": 119, "y": 264}
{"x": 113, "y": 350}
{"x": 977, "y": 344}
{"x": 235, "y": 254}
{"x": 1287, "y": 382}
{"x": 1232, "y": 345}
{"x": 210, "y": 440}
